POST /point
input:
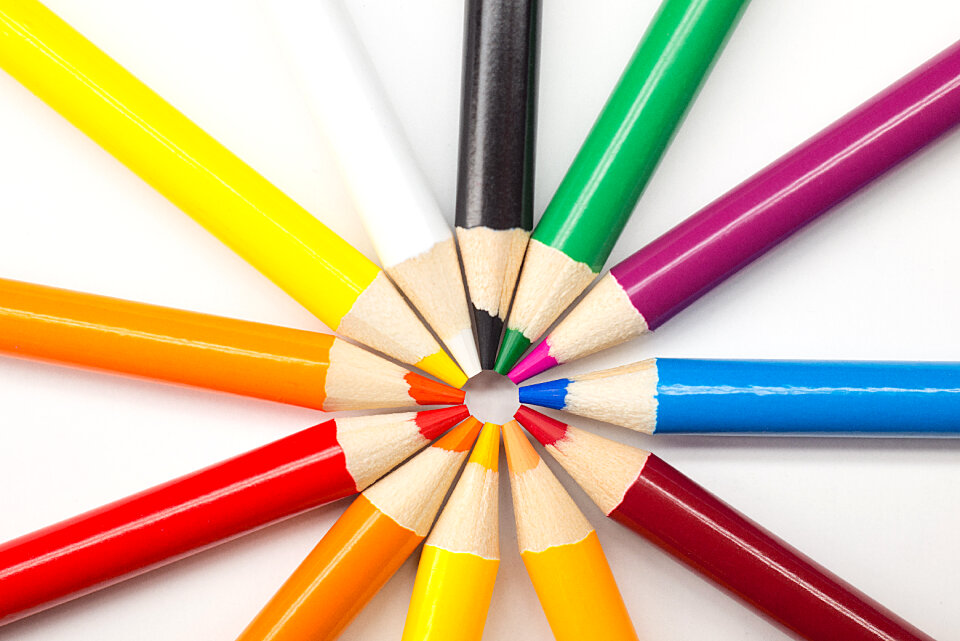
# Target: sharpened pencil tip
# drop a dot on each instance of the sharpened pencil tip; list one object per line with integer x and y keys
{"x": 487, "y": 450}
{"x": 552, "y": 394}
{"x": 511, "y": 349}
{"x": 428, "y": 392}
{"x": 443, "y": 367}
{"x": 489, "y": 329}
{"x": 464, "y": 350}
{"x": 460, "y": 438}
{"x": 543, "y": 428}
{"x": 433, "y": 423}
{"x": 536, "y": 362}
{"x": 520, "y": 453}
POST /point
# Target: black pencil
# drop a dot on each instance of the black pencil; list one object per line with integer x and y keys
{"x": 496, "y": 166}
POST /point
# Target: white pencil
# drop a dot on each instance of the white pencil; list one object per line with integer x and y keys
{"x": 403, "y": 219}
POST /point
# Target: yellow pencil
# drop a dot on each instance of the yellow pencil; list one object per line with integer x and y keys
{"x": 562, "y": 553}
{"x": 459, "y": 562}
{"x": 286, "y": 243}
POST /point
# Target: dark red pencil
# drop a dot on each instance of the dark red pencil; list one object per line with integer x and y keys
{"x": 317, "y": 465}
{"x": 651, "y": 498}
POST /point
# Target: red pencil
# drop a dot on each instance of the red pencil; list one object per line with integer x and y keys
{"x": 651, "y": 498}
{"x": 320, "y": 464}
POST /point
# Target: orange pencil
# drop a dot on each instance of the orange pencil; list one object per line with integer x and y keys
{"x": 254, "y": 359}
{"x": 562, "y": 553}
{"x": 366, "y": 545}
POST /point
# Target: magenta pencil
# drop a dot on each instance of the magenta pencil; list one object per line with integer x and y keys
{"x": 649, "y": 287}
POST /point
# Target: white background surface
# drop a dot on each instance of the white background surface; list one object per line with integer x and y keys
{"x": 875, "y": 279}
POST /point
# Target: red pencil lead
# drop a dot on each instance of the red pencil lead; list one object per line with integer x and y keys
{"x": 543, "y": 428}
{"x": 433, "y": 423}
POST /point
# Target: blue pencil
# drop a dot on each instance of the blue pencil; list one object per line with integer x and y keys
{"x": 693, "y": 396}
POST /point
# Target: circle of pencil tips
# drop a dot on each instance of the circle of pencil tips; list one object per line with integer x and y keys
{"x": 506, "y": 267}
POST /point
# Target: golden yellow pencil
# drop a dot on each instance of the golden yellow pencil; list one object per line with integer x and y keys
{"x": 273, "y": 233}
{"x": 561, "y": 551}
{"x": 459, "y": 562}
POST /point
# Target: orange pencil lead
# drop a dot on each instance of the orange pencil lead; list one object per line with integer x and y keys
{"x": 520, "y": 453}
{"x": 460, "y": 438}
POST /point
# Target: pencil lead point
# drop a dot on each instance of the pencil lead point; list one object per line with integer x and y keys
{"x": 443, "y": 367}
{"x": 464, "y": 350}
{"x": 511, "y": 349}
{"x": 489, "y": 329}
{"x": 520, "y": 453}
{"x": 428, "y": 392}
{"x": 536, "y": 362}
{"x": 543, "y": 428}
{"x": 433, "y": 423}
{"x": 487, "y": 450}
{"x": 552, "y": 394}
{"x": 460, "y": 438}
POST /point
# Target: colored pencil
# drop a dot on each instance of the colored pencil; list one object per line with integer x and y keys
{"x": 561, "y": 551}
{"x": 584, "y": 219}
{"x": 696, "y": 396}
{"x": 637, "y": 489}
{"x": 287, "y": 244}
{"x": 364, "y": 548}
{"x": 171, "y": 345}
{"x": 498, "y": 128}
{"x": 649, "y": 287}
{"x": 393, "y": 197}
{"x": 458, "y": 565}
{"x": 170, "y": 521}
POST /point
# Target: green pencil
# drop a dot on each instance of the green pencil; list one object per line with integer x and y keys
{"x": 600, "y": 190}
